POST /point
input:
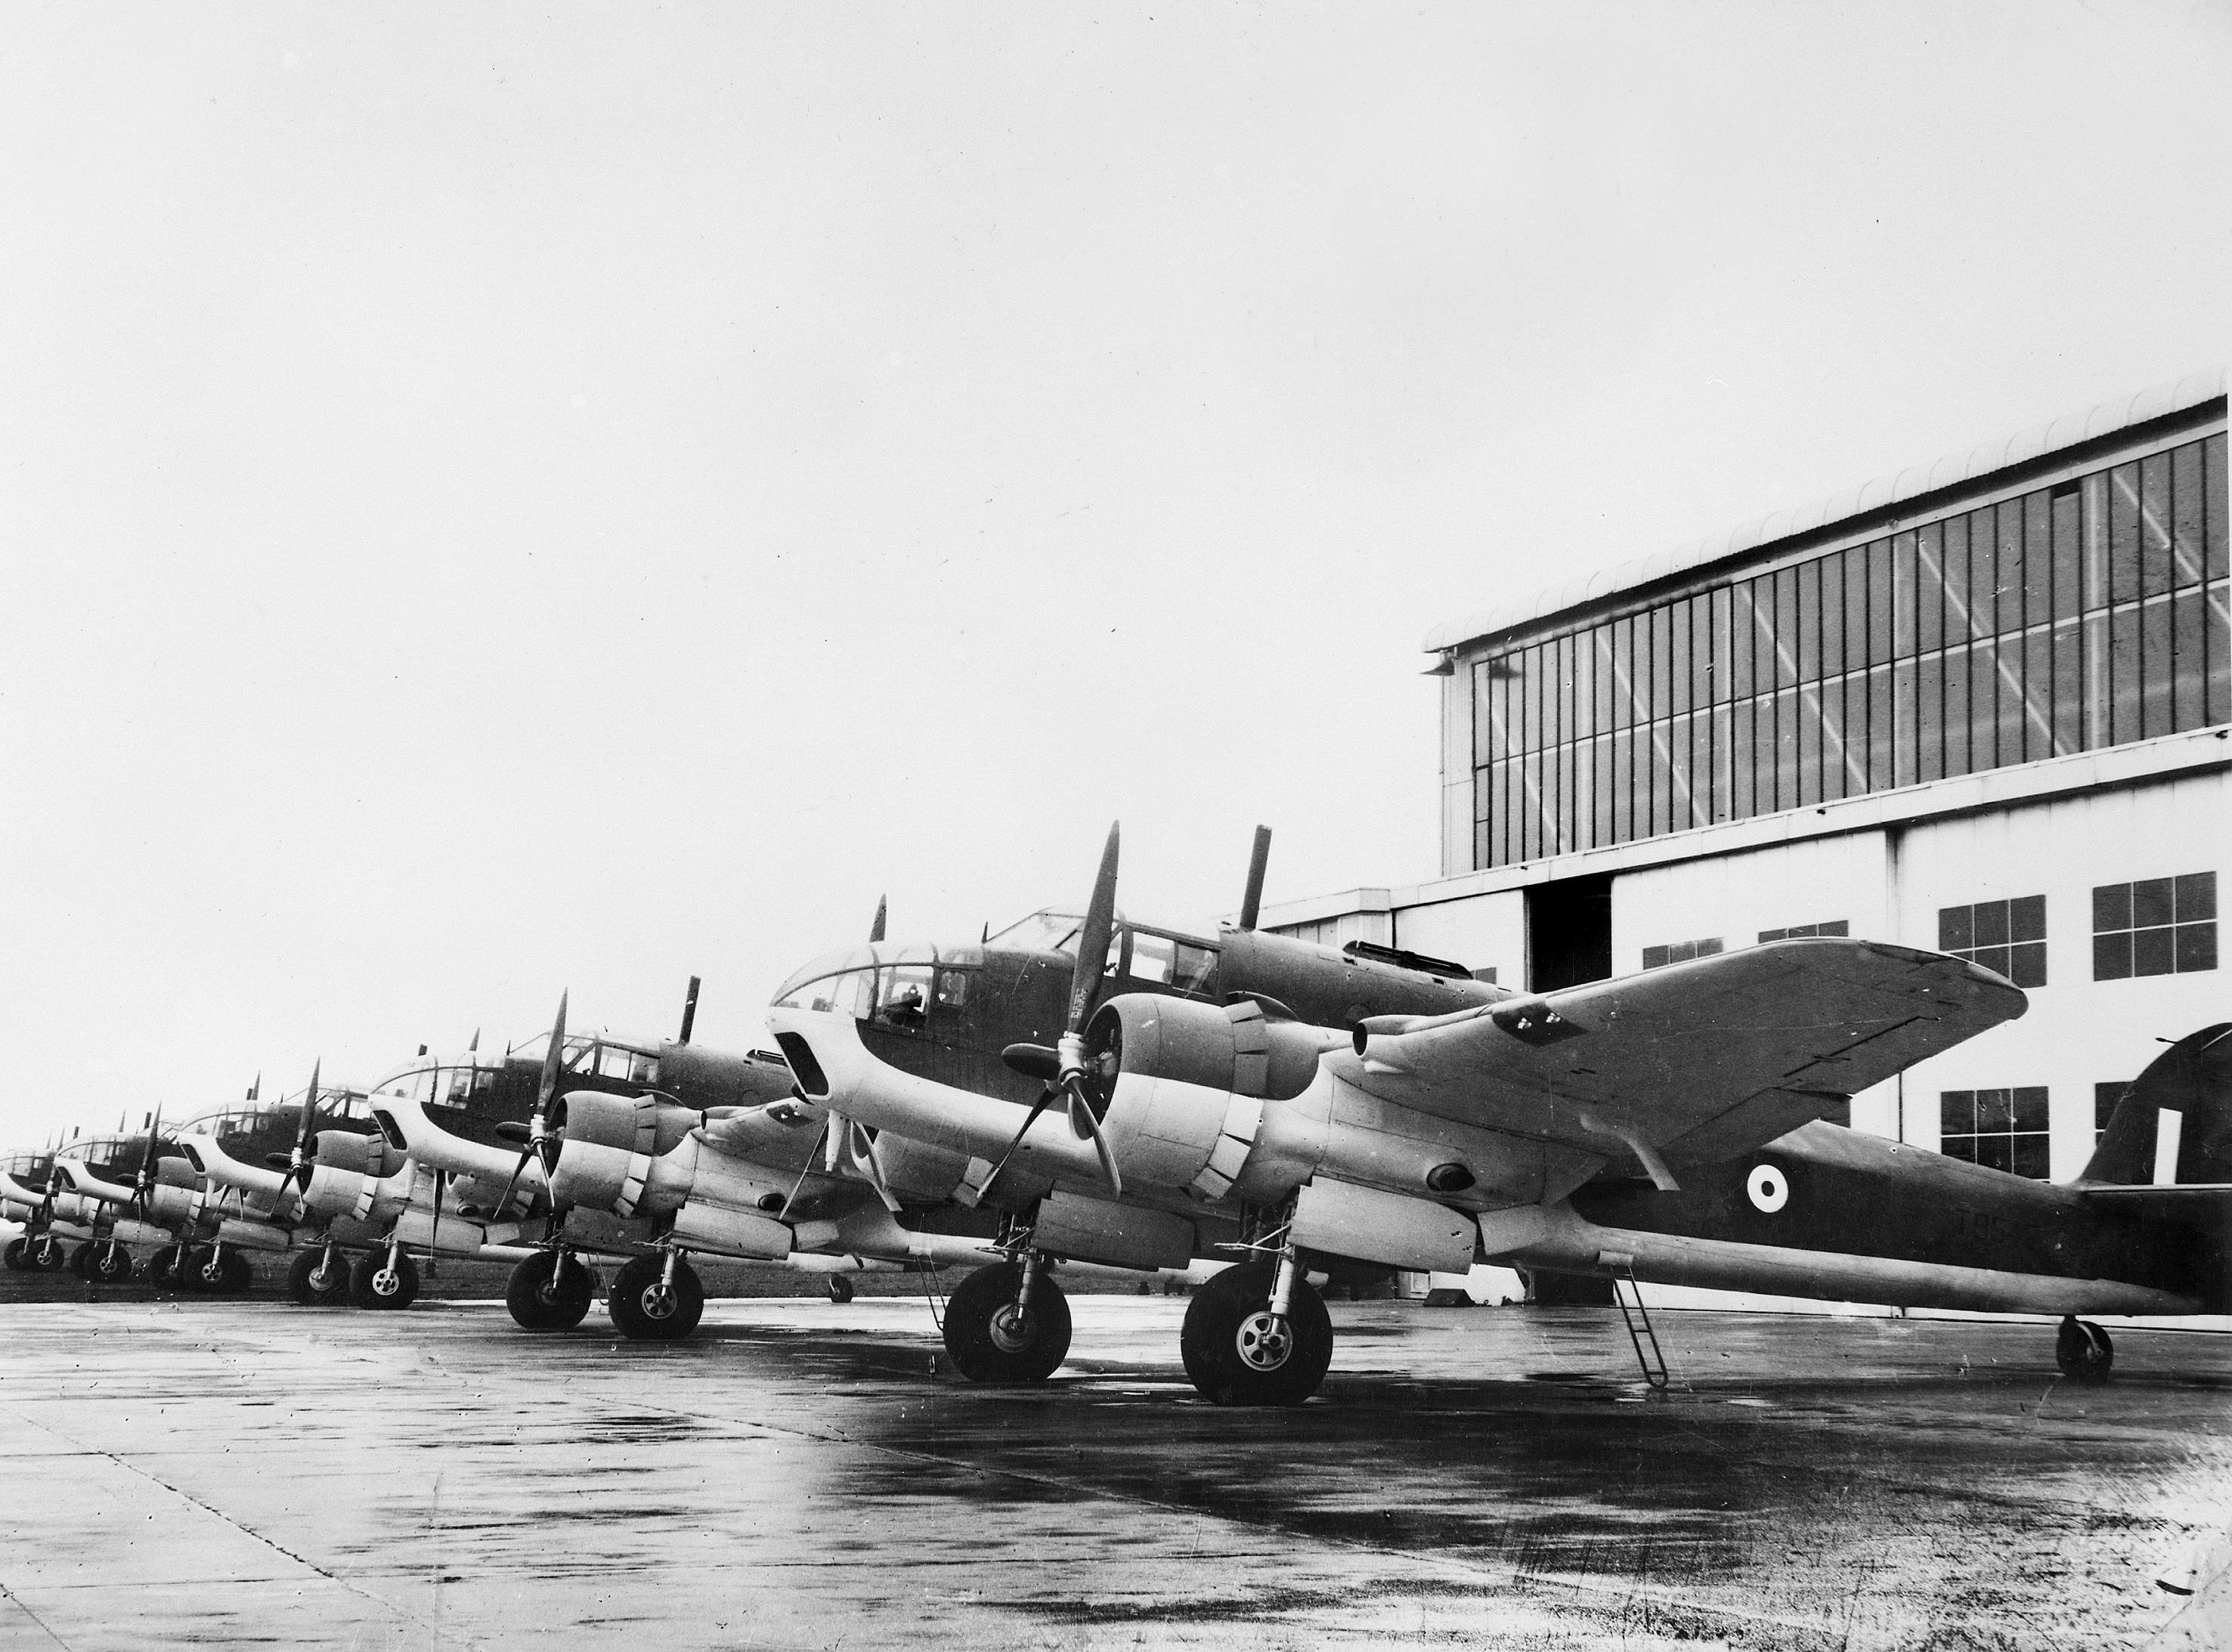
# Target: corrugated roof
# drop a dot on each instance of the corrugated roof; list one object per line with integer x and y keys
{"x": 1916, "y": 479}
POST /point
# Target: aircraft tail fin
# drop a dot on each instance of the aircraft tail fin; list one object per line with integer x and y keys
{"x": 2174, "y": 1122}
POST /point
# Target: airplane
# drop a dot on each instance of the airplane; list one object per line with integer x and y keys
{"x": 1284, "y": 1102}
{"x": 1824, "y": 1212}
{"x": 92, "y": 1198}
{"x": 695, "y": 1152}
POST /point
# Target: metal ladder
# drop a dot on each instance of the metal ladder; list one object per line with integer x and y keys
{"x": 1622, "y": 1267}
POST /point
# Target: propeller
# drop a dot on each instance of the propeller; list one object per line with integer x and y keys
{"x": 538, "y": 1142}
{"x": 299, "y": 1164}
{"x": 144, "y": 1182}
{"x": 689, "y": 1011}
{"x": 1063, "y": 1068}
{"x": 441, "y": 1187}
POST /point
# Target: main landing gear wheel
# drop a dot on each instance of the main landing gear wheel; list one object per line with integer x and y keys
{"x": 108, "y": 1265}
{"x": 218, "y": 1271}
{"x": 646, "y": 1308}
{"x": 2083, "y": 1351}
{"x": 166, "y": 1266}
{"x": 313, "y": 1285}
{"x": 46, "y": 1254}
{"x": 990, "y": 1342}
{"x": 80, "y": 1260}
{"x": 17, "y": 1256}
{"x": 550, "y": 1291}
{"x": 1237, "y": 1354}
{"x": 840, "y": 1288}
{"x": 373, "y": 1283}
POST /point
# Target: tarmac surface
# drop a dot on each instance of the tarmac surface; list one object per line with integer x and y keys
{"x": 188, "y": 1472}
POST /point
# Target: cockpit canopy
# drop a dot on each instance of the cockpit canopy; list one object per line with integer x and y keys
{"x": 437, "y": 1080}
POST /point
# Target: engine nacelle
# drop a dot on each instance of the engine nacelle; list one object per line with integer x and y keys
{"x": 366, "y": 1155}
{"x": 729, "y": 1232}
{"x": 611, "y": 1144}
{"x": 1186, "y": 1085}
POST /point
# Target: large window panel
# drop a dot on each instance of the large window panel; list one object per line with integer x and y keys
{"x": 2155, "y": 672}
{"x": 2212, "y": 472}
{"x": 1806, "y": 643}
{"x": 2068, "y": 693}
{"x": 1719, "y": 665}
{"x": 1623, "y": 786}
{"x": 1930, "y": 587}
{"x": 1807, "y": 704}
{"x": 2013, "y": 723}
{"x": 2037, "y": 512}
{"x": 1782, "y": 634}
{"x": 1679, "y": 618}
{"x": 2124, "y": 720}
{"x": 2189, "y": 667}
{"x": 1906, "y": 722}
{"x": 1881, "y": 725}
{"x": 1602, "y": 829}
{"x": 1876, "y": 606}
{"x": 2066, "y": 538}
{"x": 2124, "y": 533}
{"x": 2156, "y": 567}
{"x": 1929, "y": 719}
{"x": 1832, "y": 659}
{"x": 1983, "y": 573}
{"x": 2189, "y": 499}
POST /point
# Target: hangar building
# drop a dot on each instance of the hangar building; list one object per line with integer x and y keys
{"x": 1982, "y": 705}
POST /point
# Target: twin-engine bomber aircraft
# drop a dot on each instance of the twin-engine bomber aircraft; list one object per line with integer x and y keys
{"x": 1296, "y": 1103}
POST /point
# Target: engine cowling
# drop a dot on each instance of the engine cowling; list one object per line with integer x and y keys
{"x": 1184, "y": 1085}
{"x": 610, "y": 1144}
{"x": 365, "y": 1155}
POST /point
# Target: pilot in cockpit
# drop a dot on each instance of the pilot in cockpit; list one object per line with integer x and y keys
{"x": 904, "y": 1008}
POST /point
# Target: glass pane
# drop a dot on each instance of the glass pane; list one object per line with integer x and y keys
{"x": 2194, "y": 896}
{"x": 1783, "y": 635}
{"x": 1991, "y": 923}
{"x": 1994, "y": 1110}
{"x": 2112, "y": 907}
{"x": 2212, "y": 471}
{"x": 2111, "y": 955}
{"x": 2155, "y": 565}
{"x": 2026, "y": 918}
{"x": 2152, "y": 901}
{"x": 2188, "y": 495}
{"x": 2196, "y": 946}
{"x": 2154, "y": 952}
{"x": 2030, "y": 1108}
{"x": 1982, "y": 596}
{"x": 2027, "y": 963}
{"x": 1930, "y": 587}
{"x": 2124, "y": 533}
{"x": 1983, "y": 706}
{"x": 1996, "y": 1153}
{"x": 2033, "y": 1155}
{"x": 1678, "y": 616}
{"x": 1832, "y": 575}
{"x": 2037, "y": 556}
{"x": 2068, "y": 552}
{"x": 1807, "y": 638}
{"x": 1956, "y": 928}
{"x": 2155, "y": 668}
{"x": 2189, "y": 661}
{"x": 1957, "y": 1112}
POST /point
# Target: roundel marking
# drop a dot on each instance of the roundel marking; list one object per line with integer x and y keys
{"x": 1769, "y": 1189}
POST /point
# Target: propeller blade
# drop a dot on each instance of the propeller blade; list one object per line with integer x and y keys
{"x": 812, "y": 1153}
{"x": 1092, "y": 942}
{"x": 1251, "y": 901}
{"x": 552, "y": 1059}
{"x": 689, "y": 1011}
{"x": 309, "y": 1110}
{"x": 441, "y": 1185}
{"x": 1045, "y": 1100}
{"x": 475, "y": 1044}
{"x": 1034, "y": 1061}
{"x": 1085, "y": 1124}
{"x": 504, "y": 1201}
{"x": 512, "y": 1130}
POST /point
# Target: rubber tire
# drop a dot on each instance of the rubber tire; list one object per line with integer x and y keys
{"x": 635, "y": 1280}
{"x": 109, "y": 1265}
{"x": 51, "y": 1258}
{"x": 16, "y": 1257}
{"x": 198, "y": 1262}
{"x": 302, "y": 1282}
{"x": 1213, "y": 1319}
{"x": 2083, "y": 1351}
{"x": 969, "y": 1327}
{"x": 80, "y": 1260}
{"x": 163, "y": 1266}
{"x": 371, "y": 1263}
{"x": 535, "y": 1306}
{"x": 840, "y": 1288}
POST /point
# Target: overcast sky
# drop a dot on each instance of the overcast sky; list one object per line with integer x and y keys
{"x": 501, "y": 499}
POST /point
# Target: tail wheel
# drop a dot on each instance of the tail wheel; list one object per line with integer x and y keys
{"x": 111, "y": 1265}
{"x": 314, "y": 1284}
{"x": 1236, "y": 1354}
{"x": 2083, "y": 1351}
{"x": 645, "y": 1309}
{"x": 372, "y": 1283}
{"x": 550, "y": 1291}
{"x": 992, "y": 1341}
{"x": 840, "y": 1288}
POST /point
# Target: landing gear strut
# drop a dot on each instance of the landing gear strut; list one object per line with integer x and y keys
{"x": 1009, "y": 1323}
{"x": 658, "y": 1299}
{"x": 550, "y": 1291}
{"x": 2083, "y": 1351}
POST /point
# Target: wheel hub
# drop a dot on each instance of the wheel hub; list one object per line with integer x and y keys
{"x": 1012, "y": 1329}
{"x": 659, "y": 1301}
{"x": 387, "y": 1282}
{"x": 1264, "y": 1341}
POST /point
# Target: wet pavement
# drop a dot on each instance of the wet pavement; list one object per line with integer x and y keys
{"x": 800, "y": 1475}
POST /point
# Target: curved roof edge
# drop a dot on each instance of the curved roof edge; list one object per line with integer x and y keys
{"x": 2121, "y": 413}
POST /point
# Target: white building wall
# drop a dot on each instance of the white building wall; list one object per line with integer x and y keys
{"x": 2078, "y": 1031}
{"x": 1481, "y": 932}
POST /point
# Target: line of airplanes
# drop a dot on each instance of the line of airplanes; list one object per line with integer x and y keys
{"x": 1080, "y": 1089}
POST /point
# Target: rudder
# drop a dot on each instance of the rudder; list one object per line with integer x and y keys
{"x": 2189, "y": 1088}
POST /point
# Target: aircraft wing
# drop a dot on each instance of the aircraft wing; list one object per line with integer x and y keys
{"x": 1693, "y": 1062}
